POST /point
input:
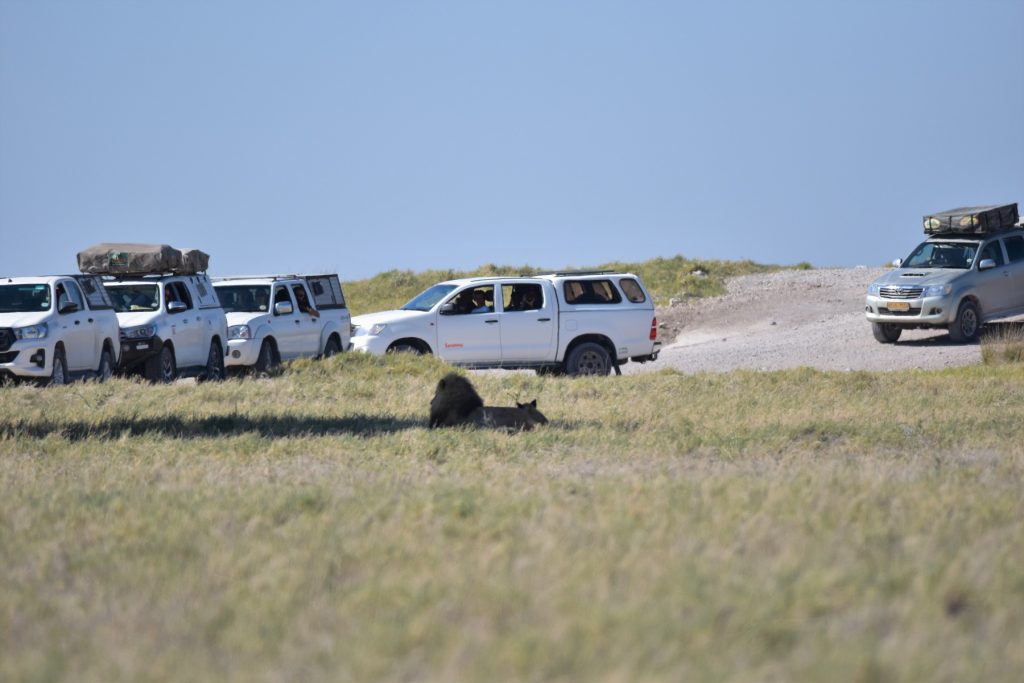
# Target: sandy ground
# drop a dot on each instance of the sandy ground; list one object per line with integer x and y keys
{"x": 789, "y": 319}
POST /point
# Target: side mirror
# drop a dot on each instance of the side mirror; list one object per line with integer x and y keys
{"x": 447, "y": 309}
{"x": 897, "y": 262}
{"x": 986, "y": 263}
{"x": 176, "y": 307}
{"x": 283, "y": 308}
{"x": 68, "y": 307}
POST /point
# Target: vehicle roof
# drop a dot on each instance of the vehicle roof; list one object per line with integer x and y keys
{"x": 35, "y": 279}
{"x": 254, "y": 279}
{"x": 151, "y": 278}
{"x": 959, "y": 237}
{"x": 551, "y": 277}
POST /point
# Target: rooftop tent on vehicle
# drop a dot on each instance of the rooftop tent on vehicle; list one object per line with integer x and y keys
{"x": 122, "y": 258}
{"x": 972, "y": 220}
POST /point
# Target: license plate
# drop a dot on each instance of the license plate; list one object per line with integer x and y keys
{"x": 901, "y": 306}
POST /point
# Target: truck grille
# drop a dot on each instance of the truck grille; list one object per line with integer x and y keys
{"x": 8, "y": 356}
{"x": 900, "y": 292}
{"x": 912, "y": 311}
{"x": 6, "y": 339}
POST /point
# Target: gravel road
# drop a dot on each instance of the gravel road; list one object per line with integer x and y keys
{"x": 789, "y": 319}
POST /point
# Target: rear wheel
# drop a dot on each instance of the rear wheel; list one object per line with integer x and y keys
{"x": 332, "y": 348}
{"x": 964, "y": 327}
{"x": 106, "y": 368}
{"x": 588, "y": 358}
{"x": 214, "y": 363}
{"x": 162, "y": 367}
{"x": 886, "y": 333}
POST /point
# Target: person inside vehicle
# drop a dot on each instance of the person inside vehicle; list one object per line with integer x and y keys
{"x": 480, "y": 302}
{"x": 530, "y": 301}
{"x": 303, "y": 303}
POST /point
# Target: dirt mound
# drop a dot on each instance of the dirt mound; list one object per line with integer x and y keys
{"x": 789, "y": 319}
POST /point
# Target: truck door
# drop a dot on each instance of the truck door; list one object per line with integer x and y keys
{"x": 307, "y": 331}
{"x": 527, "y": 322}
{"x": 78, "y": 328}
{"x": 189, "y": 328}
{"x": 286, "y": 325}
{"x": 470, "y": 333}
{"x": 994, "y": 286}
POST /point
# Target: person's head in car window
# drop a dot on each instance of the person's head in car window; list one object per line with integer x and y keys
{"x": 530, "y": 300}
{"x": 480, "y": 301}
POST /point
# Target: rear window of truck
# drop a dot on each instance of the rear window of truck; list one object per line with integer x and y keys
{"x": 590, "y": 292}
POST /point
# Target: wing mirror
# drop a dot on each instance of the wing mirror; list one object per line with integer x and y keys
{"x": 176, "y": 307}
{"x": 283, "y": 308}
{"x": 986, "y": 263}
{"x": 68, "y": 307}
{"x": 897, "y": 262}
{"x": 447, "y": 309}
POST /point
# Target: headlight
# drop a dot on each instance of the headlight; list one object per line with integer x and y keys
{"x": 371, "y": 331}
{"x": 31, "y": 332}
{"x": 139, "y": 332}
{"x": 873, "y": 289}
{"x": 937, "y": 290}
{"x": 239, "y": 332}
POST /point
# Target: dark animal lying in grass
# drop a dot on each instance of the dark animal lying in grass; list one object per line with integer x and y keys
{"x": 456, "y": 403}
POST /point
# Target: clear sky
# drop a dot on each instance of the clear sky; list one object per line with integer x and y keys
{"x": 358, "y": 137}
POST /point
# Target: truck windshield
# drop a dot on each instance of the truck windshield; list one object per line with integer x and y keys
{"x": 129, "y": 298}
{"x": 427, "y": 299}
{"x": 24, "y": 298}
{"x": 244, "y": 298}
{"x": 942, "y": 255}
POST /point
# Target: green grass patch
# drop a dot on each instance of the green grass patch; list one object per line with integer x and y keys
{"x": 795, "y": 525}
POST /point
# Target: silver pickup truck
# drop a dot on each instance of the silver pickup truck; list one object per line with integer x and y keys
{"x": 950, "y": 281}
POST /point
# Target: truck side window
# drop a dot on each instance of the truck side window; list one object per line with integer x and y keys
{"x": 181, "y": 294}
{"x": 522, "y": 297}
{"x": 281, "y": 295}
{"x": 68, "y": 292}
{"x": 631, "y": 288}
{"x": 1014, "y": 248}
{"x": 591, "y": 292}
{"x": 993, "y": 252}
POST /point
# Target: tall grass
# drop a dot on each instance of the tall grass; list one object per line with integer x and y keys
{"x": 666, "y": 278}
{"x": 795, "y": 525}
{"x": 1002, "y": 343}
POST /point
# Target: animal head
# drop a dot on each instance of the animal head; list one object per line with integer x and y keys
{"x": 530, "y": 409}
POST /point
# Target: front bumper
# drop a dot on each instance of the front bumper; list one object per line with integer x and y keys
{"x": 137, "y": 351}
{"x": 242, "y": 352}
{"x": 27, "y": 358}
{"x": 370, "y": 344}
{"x": 934, "y": 311}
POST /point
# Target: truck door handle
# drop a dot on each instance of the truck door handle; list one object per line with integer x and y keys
{"x": 543, "y": 320}
{"x": 90, "y": 319}
{"x": 298, "y": 322}
{"x": 490, "y": 322}
{"x": 78, "y": 322}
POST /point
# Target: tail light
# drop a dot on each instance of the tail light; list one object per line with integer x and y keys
{"x": 654, "y": 328}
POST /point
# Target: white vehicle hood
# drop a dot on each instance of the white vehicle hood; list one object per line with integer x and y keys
{"x": 388, "y": 317}
{"x": 136, "y": 318}
{"x": 23, "y": 319}
{"x": 246, "y": 318}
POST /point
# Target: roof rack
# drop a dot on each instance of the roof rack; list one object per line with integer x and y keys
{"x": 274, "y": 276}
{"x": 563, "y": 273}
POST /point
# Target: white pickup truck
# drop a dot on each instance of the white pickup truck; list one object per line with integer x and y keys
{"x": 55, "y": 328}
{"x": 274, "y": 318}
{"x": 580, "y": 322}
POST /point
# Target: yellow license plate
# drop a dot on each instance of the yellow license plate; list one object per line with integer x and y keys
{"x": 899, "y": 306}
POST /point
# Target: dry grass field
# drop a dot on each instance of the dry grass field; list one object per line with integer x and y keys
{"x": 795, "y": 525}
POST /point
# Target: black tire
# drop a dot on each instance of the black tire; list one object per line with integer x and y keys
{"x": 332, "y": 347}
{"x": 886, "y": 333}
{"x": 965, "y": 326}
{"x": 214, "y": 371}
{"x": 106, "y": 368}
{"x": 59, "y": 374}
{"x": 162, "y": 367}
{"x": 588, "y": 358}
{"x": 267, "y": 360}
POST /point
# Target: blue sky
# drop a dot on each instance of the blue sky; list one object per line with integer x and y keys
{"x": 357, "y": 137}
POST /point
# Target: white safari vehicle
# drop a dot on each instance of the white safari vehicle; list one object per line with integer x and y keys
{"x": 55, "y": 328}
{"x": 275, "y": 318}
{"x": 171, "y": 322}
{"x": 580, "y": 322}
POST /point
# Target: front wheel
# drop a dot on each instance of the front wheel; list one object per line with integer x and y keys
{"x": 588, "y": 359}
{"x": 162, "y": 367}
{"x": 59, "y": 374}
{"x": 267, "y": 359}
{"x": 886, "y": 333}
{"x": 405, "y": 347}
{"x": 964, "y": 328}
